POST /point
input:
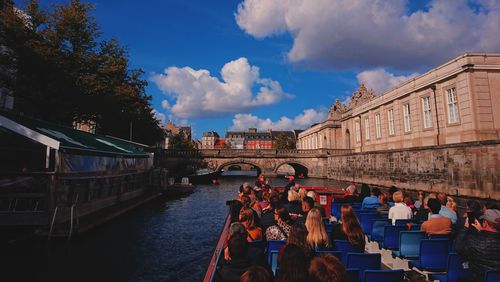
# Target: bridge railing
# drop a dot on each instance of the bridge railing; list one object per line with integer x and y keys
{"x": 256, "y": 152}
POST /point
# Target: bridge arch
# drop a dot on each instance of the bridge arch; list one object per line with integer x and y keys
{"x": 239, "y": 162}
{"x": 299, "y": 167}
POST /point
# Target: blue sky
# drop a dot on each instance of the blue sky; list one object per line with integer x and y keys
{"x": 285, "y": 61}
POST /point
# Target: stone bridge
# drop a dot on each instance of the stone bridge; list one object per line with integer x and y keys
{"x": 312, "y": 163}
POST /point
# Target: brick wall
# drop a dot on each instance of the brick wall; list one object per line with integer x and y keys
{"x": 466, "y": 169}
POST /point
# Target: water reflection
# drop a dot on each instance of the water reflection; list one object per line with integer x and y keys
{"x": 164, "y": 240}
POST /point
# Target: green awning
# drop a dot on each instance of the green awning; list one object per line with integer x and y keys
{"x": 69, "y": 139}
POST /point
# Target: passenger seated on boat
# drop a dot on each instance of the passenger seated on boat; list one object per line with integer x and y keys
{"x": 294, "y": 206}
{"x": 317, "y": 238}
{"x": 399, "y": 210}
{"x": 350, "y": 196}
{"x": 247, "y": 219}
{"x": 444, "y": 210}
{"x": 327, "y": 268}
{"x": 298, "y": 237}
{"x": 294, "y": 265}
{"x": 256, "y": 274}
{"x": 383, "y": 209}
{"x": 267, "y": 219}
{"x": 481, "y": 247}
{"x": 302, "y": 193}
{"x": 281, "y": 229}
{"x": 237, "y": 264}
{"x": 264, "y": 200}
{"x": 437, "y": 224}
{"x": 371, "y": 202}
{"x": 307, "y": 205}
{"x": 247, "y": 202}
{"x": 350, "y": 229}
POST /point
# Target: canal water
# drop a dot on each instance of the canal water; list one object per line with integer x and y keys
{"x": 164, "y": 240}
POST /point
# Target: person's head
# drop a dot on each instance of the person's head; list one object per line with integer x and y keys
{"x": 316, "y": 228}
{"x": 383, "y": 198}
{"x": 365, "y": 190}
{"x": 351, "y": 189}
{"x": 256, "y": 274}
{"x": 351, "y": 226}
{"x": 491, "y": 220}
{"x": 327, "y": 268}
{"x": 311, "y": 194}
{"x": 298, "y": 235}
{"x": 407, "y": 199}
{"x": 246, "y": 217}
{"x": 397, "y": 197}
{"x": 302, "y": 193}
{"x": 451, "y": 204}
{"x": 296, "y": 187}
{"x": 282, "y": 214}
{"x": 421, "y": 195}
{"x": 293, "y": 196}
{"x": 275, "y": 202}
{"x": 375, "y": 192}
{"x": 393, "y": 190}
{"x": 293, "y": 265}
{"x": 238, "y": 247}
{"x": 434, "y": 205}
{"x": 442, "y": 198}
{"x": 247, "y": 189}
{"x": 307, "y": 204}
{"x": 246, "y": 201}
{"x": 237, "y": 229}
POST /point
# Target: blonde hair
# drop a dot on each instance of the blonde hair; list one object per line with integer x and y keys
{"x": 293, "y": 196}
{"x": 397, "y": 197}
{"x": 317, "y": 235}
{"x": 311, "y": 194}
{"x": 302, "y": 193}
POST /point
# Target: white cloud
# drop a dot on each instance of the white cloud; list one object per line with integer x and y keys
{"x": 367, "y": 33}
{"x": 159, "y": 116}
{"x": 380, "y": 80}
{"x": 165, "y": 105}
{"x": 301, "y": 121}
{"x": 199, "y": 94}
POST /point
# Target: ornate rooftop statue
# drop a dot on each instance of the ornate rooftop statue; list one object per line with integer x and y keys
{"x": 361, "y": 96}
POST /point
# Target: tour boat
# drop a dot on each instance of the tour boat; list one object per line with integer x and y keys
{"x": 324, "y": 196}
{"x": 204, "y": 176}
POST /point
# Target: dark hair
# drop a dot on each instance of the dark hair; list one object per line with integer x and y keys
{"x": 294, "y": 265}
{"x": 393, "y": 190}
{"x": 365, "y": 190}
{"x": 490, "y": 205}
{"x": 434, "y": 205}
{"x": 255, "y": 274}
{"x": 376, "y": 191}
{"x": 298, "y": 237}
{"x": 327, "y": 268}
{"x": 309, "y": 201}
{"x": 246, "y": 201}
{"x": 241, "y": 188}
{"x": 238, "y": 247}
{"x": 284, "y": 215}
{"x": 384, "y": 197}
{"x": 275, "y": 202}
{"x": 442, "y": 198}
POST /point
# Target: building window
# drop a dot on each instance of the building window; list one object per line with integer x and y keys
{"x": 406, "y": 117}
{"x": 378, "y": 129}
{"x": 426, "y": 108}
{"x": 451, "y": 97}
{"x": 367, "y": 128}
{"x": 358, "y": 132}
{"x": 390, "y": 121}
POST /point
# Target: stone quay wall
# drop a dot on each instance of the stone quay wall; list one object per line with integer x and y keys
{"x": 469, "y": 169}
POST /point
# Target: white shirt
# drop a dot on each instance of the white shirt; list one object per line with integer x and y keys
{"x": 399, "y": 211}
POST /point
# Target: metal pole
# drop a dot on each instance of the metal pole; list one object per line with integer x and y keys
{"x": 130, "y": 131}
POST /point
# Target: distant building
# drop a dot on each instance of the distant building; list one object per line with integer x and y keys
{"x": 209, "y": 140}
{"x": 452, "y": 103}
{"x": 258, "y": 140}
{"x": 236, "y": 139}
{"x": 87, "y": 126}
{"x": 169, "y": 130}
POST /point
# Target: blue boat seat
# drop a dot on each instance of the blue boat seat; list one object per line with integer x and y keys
{"x": 363, "y": 261}
{"x": 337, "y": 254}
{"x": 391, "y": 236}
{"x": 366, "y": 221}
{"x": 455, "y": 270}
{"x": 492, "y": 276}
{"x": 345, "y": 247}
{"x": 353, "y": 274}
{"x": 409, "y": 244}
{"x": 377, "y": 233}
{"x": 433, "y": 255}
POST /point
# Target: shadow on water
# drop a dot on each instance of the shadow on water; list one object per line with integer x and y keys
{"x": 164, "y": 240}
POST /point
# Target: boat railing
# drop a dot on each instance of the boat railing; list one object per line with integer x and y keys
{"x": 219, "y": 248}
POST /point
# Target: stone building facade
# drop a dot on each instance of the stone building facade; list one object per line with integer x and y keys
{"x": 450, "y": 104}
{"x": 209, "y": 140}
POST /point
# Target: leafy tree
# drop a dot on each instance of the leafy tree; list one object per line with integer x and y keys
{"x": 227, "y": 145}
{"x": 180, "y": 142}
{"x": 65, "y": 74}
{"x": 283, "y": 141}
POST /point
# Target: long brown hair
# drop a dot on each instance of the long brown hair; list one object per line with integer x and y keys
{"x": 351, "y": 227}
{"x": 246, "y": 216}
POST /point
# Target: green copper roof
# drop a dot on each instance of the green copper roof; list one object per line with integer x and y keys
{"x": 71, "y": 139}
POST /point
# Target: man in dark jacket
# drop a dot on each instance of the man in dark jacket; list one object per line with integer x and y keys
{"x": 480, "y": 244}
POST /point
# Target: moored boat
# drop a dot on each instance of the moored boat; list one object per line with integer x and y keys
{"x": 178, "y": 189}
